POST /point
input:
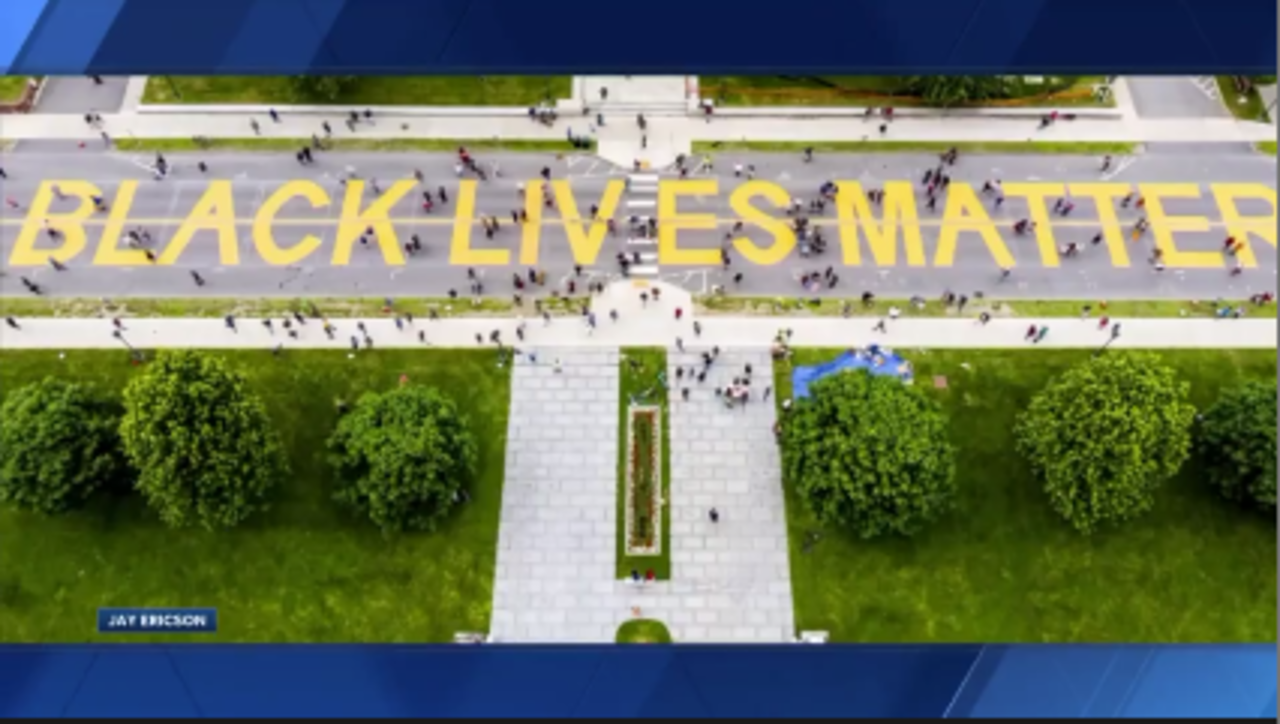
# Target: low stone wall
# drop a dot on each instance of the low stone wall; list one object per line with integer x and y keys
{"x": 26, "y": 101}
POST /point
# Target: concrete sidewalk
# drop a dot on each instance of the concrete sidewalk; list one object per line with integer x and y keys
{"x": 985, "y": 131}
{"x": 954, "y": 130}
{"x": 658, "y": 329}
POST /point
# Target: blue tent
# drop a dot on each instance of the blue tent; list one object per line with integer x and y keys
{"x": 874, "y": 359}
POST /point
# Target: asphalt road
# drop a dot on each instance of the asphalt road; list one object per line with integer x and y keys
{"x": 160, "y": 206}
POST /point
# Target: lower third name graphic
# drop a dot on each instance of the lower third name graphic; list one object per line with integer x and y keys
{"x": 157, "y": 620}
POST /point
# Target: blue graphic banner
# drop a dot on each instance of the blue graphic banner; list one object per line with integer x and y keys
{"x": 898, "y": 37}
{"x": 542, "y": 681}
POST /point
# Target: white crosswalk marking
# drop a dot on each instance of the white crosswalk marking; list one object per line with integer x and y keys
{"x": 642, "y": 200}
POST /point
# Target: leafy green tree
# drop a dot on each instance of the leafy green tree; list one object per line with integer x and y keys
{"x": 403, "y": 457}
{"x": 1237, "y": 442}
{"x": 204, "y": 448}
{"x": 1105, "y": 436}
{"x": 327, "y": 88}
{"x": 952, "y": 90}
{"x": 59, "y": 443}
{"x": 869, "y": 454}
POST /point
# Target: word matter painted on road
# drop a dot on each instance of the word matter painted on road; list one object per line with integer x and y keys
{"x": 891, "y": 230}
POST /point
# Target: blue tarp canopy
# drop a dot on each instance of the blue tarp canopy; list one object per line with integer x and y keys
{"x": 874, "y": 359}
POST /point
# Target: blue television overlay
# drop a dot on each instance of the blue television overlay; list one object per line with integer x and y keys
{"x": 951, "y": 681}
{"x": 868, "y": 37}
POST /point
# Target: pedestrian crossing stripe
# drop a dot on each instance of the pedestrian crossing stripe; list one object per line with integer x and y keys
{"x": 886, "y": 234}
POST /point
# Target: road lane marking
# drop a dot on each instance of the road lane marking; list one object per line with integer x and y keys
{"x": 1119, "y": 168}
{"x": 1257, "y": 222}
{"x": 880, "y": 228}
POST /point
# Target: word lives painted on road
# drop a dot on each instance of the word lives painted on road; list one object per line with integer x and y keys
{"x": 888, "y": 233}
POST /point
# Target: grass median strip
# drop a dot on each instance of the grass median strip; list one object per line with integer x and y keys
{"x": 353, "y": 307}
{"x": 998, "y": 308}
{"x": 12, "y": 87}
{"x": 1247, "y": 105}
{"x": 304, "y": 572}
{"x": 428, "y": 90}
{"x": 1027, "y": 147}
{"x": 893, "y": 91}
{"x": 644, "y": 465}
{"x": 388, "y": 145}
{"x": 1004, "y": 567}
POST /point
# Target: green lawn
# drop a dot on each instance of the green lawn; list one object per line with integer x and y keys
{"x": 1003, "y": 567}
{"x": 425, "y": 90}
{"x": 861, "y": 90}
{"x": 11, "y": 87}
{"x": 306, "y": 571}
{"x": 1267, "y": 147}
{"x": 645, "y": 376}
{"x": 205, "y": 307}
{"x": 1033, "y": 147}
{"x": 643, "y": 631}
{"x": 1245, "y": 106}
{"x": 427, "y": 145}
{"x": 355, "y": 307}
{"x": 1030, "y": 308}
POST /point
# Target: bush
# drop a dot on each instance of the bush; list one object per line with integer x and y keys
{"x": 1105, "y": 436}
{"x": 1237, "y": 443}
{"x": 326, "y": 88}
{"x": 951, "y": 90}
{"x": 59, "y": 443}
{"x": 201, "y": 441}
{"x": 643, "y": 631}
{"x": 869, "y": 454}
{"x": 403, "y": 458}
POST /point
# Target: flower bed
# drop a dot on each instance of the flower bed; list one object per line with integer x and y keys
{"x": 644, "y": 481}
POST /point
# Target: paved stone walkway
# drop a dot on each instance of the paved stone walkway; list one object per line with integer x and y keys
{"x": 554, "y": 579}
{"x": 731, "y": 579}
